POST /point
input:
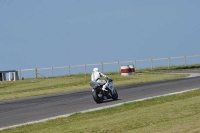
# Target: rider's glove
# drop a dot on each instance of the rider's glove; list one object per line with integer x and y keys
{"x": 109, "y": 79}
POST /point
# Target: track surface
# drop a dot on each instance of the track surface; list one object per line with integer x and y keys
{"x": 14, "y": 112}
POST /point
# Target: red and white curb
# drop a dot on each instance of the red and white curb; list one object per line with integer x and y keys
{"x": 95, "y": 109}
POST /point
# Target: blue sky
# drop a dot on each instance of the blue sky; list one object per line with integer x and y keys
{"x": 45, "y": 33}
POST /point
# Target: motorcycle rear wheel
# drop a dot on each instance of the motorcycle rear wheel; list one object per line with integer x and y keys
{"x": 96, "y": 98}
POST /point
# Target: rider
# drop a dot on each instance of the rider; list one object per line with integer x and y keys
{"x": 96, "y": 78}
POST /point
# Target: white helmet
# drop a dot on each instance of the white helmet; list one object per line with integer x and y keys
{"x": 95, "y": 69}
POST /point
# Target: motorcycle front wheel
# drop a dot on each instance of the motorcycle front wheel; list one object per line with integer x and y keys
{"x": 115, "y": 95}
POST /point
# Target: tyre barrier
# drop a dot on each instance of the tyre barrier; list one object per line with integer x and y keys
{"x": 127, "y": 70}
{"x": 132, "y": 69}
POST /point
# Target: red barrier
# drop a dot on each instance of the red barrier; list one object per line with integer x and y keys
{"x": 127, "y": 70}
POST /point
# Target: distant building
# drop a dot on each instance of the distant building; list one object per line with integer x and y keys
{"x": 11, "y": 74}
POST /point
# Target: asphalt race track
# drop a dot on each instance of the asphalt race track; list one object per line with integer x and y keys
{"x": 13, "y": 112}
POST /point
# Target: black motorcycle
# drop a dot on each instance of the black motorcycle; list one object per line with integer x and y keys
{"x": 99, "y": 95}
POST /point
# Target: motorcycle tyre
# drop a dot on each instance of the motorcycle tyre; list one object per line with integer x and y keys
{"x": 96, "y": 98}
{"x": 115, "y": 96}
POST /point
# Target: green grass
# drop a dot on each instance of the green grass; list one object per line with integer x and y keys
{"x": 178, "y": 113}
{"x": 171, "y": 69}
{"x": 43, "y": 86}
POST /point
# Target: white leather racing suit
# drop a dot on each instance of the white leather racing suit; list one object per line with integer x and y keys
{"x": 96, "y": 78}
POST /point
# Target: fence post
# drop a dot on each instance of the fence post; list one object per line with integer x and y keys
{"x": 135, "y": 64}
{"x": 168, "y": 62}
{"x": 52, "y": 72}
{"x": 102, "y": 67}
{"x": 185, "y": 60}
{"x": 69, "y": 70}
{"x": 151, "y": 64}
{"x": 85, "y": 70}
{"x": 36, "y": 73}
{"x": 119, "y": 67}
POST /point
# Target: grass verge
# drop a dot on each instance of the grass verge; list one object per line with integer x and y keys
{"x": 43, "y": 86}
{"x": 176, "y": 113}
{"x": 171, "y": 69}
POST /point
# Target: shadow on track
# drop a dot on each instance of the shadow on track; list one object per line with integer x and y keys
{"x": 109, "y": 100}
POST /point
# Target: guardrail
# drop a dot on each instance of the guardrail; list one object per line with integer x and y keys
{"x": 135, "y": 62}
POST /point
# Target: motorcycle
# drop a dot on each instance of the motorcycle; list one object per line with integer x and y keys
{"x": 99, "y": 95}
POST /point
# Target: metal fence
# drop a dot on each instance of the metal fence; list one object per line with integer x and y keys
{"x": 37, "y": 72}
